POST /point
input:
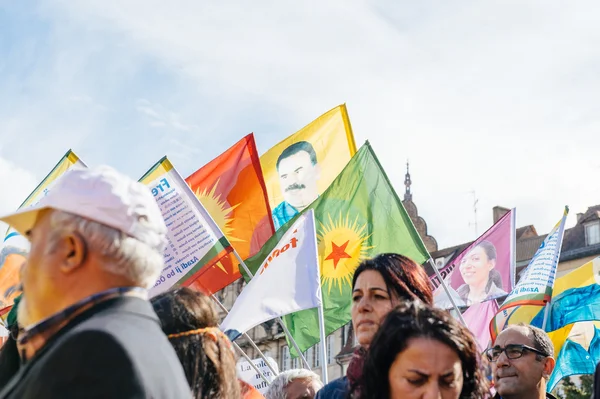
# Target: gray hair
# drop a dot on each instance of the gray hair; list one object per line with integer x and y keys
{"x": 277, "y": 387}
{"x": 541, "y": 340}
{"x": 139, "y": 261}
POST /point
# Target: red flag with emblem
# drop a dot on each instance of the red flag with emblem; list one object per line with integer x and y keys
{"x": 232, "y": 189}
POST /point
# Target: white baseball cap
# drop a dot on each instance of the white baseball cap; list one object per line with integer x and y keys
{"x": 100, "y": 194}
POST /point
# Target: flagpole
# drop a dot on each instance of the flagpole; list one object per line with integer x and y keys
{"x": 285, "y": 329}
{"x": 546, "y": 313}
{"x": 561, "y": 234}
{"x": 513, "y": 246}
{"x": 252, "y": 364}
{"x": 437, "y": 272}
{"x": 324, "y": 364}
{"x": 289, "y": 335}
{"x": 275, "y": 373}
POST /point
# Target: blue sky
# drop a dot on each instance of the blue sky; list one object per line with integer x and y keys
{"x": 499, "y": 97}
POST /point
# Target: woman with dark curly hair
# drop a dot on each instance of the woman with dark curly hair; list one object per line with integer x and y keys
{"x": 378, "y": 285}
{"x": 422, "y": 352}
{"x": 190, "y": 320}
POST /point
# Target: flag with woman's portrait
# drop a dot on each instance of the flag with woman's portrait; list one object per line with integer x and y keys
{"x": 485, "y": 270}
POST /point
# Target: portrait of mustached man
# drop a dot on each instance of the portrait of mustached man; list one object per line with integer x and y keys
{"x": 298, "y": 172}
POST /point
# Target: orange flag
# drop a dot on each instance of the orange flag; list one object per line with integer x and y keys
{"x": 232, "y": 189}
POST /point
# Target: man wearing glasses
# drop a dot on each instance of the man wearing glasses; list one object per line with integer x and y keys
{"x": 522, "y": 362}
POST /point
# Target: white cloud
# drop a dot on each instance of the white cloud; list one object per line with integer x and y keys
{"x": 18, "y": 183}
{"x": 496, "y": 97}
{"x": 16, "y": 180}
{"x": 161, "y": 117}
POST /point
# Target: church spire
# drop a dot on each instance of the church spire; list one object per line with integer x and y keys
{"x": 407, "y": 183}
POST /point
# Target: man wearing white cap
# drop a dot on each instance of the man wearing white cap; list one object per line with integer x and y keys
{"x": 88, "y": 331}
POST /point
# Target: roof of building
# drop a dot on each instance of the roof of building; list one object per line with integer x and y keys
{"x": 526, "y": 232}
{"x": 419, "y": 223}
{"x": 575, "y": 237}
{"x": 527, "y": 247}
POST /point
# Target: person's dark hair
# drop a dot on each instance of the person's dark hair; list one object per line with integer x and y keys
{"x": 489, "y": 248}
{"x": 403, "y": 277}
{"x": 296, "y": 148}
{"x": 541, "y": 340}
{"x": 206, "y": 356}
{"x": 496, "y": 278}
{"x": 414, "y": 319}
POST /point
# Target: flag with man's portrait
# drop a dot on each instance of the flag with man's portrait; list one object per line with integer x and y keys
{"x": 301, "y": 167}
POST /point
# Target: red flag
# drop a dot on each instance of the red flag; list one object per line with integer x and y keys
{"x": 232, "y": 189}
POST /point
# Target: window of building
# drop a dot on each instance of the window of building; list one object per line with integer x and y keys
{"x": 285, "y": 358}
{"x": 308, "y": 355}
{"x": 330, "y": 348}
{"x": 592, "y": 233}
{"x": 440, "y": 262}
{"x": 317, "y": 357}
{"x": 345, "y": 333}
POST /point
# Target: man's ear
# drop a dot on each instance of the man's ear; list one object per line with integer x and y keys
{"x": 549, "y": 367}
{"x": 74, "y": 251}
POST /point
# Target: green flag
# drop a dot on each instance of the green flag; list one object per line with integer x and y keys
{"x": 357, "y": 217}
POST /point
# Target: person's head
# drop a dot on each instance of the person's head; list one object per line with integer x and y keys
{"x": 381, "y": 283}
{"x": 476, "y": 265}
{"x": 298, "y": 174}
{"x": 522, "y": 361}
{"x": 294, "y": 384}
{"x": 95, "y": 229}
{"x": 423, "y": 352}
{"x": 190, "y": 321}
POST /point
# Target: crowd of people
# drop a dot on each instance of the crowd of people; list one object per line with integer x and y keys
{"x": 84, "y": 326}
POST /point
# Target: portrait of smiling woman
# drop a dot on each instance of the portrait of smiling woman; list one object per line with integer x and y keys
{"x": 478, "y": 270}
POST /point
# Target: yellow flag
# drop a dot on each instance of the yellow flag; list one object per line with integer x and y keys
{"x": 582, "y": 284}
{"x": 298, "y": 169}
{"x": 14, "y": 247}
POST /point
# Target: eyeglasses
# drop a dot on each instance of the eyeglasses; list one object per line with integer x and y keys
{"x": 513, "y": 351}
